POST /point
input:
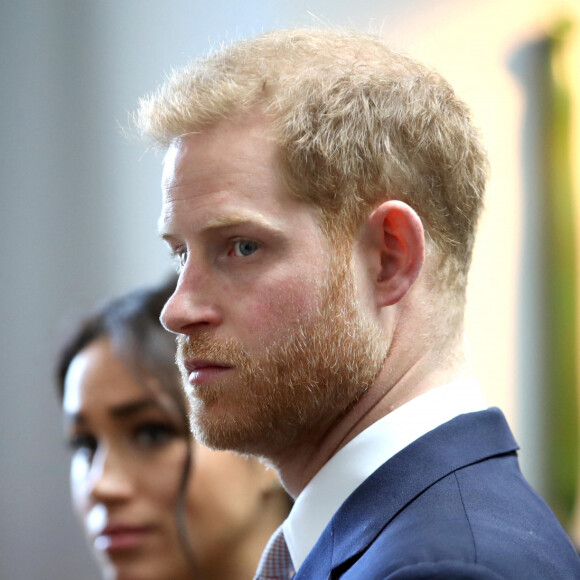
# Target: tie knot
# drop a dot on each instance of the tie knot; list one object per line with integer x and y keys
{"x": 275, "y": 563}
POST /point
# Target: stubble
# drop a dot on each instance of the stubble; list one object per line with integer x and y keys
{"x": 296, "y": 387}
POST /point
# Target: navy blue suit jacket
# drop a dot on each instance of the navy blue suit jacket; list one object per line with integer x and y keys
{"x": 451, "y": 505}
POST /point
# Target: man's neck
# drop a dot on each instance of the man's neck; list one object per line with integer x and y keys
{"x": 393, "y": 388}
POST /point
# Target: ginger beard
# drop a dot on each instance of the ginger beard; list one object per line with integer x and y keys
{"x": 298, "y": 385}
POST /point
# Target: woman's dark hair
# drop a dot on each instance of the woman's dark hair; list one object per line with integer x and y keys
{"x": 131, "y": 323}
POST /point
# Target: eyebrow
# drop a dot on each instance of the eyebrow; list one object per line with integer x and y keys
{"x": 119, "y": 411}
{"x": 135, "y": 407}
{"x": 229, "y": 221}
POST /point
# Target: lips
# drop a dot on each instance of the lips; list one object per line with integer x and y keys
{"x": 119, "y": 538}
{"x": 204, "y": 371}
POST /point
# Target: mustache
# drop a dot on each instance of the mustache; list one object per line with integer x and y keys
{"x": 228, "y": 351}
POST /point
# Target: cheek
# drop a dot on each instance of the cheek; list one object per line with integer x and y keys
{"x": 223, "y": 496}
{"x": 79, "y": 473}
{"x": 282, "y": 305}
{"x": 159, "y": 479}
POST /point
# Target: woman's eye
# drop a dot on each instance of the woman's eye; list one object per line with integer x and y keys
{"x": 245, "y": 248}
{"x": 85, "y": 444}
{"x": 154, "y": 435}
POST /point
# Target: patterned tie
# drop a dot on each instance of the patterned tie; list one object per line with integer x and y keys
{"x": 275, "y": 563}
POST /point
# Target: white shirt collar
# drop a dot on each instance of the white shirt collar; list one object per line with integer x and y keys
{"x": 359, "y": 458}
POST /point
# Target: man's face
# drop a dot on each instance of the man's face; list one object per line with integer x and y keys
{"x": 273, "y": 345}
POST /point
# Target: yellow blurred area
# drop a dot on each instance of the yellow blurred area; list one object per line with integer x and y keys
{"x": 472, "y": 43}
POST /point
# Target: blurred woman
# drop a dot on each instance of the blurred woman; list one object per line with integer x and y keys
{"x": 154, "y": 504}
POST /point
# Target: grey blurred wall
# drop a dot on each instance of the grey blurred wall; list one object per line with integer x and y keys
{"x": 78, "y": 213}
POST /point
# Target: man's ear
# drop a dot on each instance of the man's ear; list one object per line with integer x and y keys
{"x": 398, "y": 243}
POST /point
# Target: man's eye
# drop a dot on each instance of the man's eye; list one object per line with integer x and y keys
{"x": 245, "y": 248}
{"x": 183, "y": 258}
{"x": 152, "y": 435}
{"x": 180, "y": 259}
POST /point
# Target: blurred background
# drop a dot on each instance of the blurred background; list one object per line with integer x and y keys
{"x": 79, "y": 204}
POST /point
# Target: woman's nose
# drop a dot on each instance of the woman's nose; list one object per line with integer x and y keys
{"x": 111, "y": 478}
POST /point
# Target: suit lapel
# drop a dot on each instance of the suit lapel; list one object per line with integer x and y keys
{"x": 462, "y": 441}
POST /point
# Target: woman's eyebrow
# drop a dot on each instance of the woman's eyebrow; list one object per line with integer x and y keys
{"x": 77, "y": 418}
{"x": 134, "y": 407}
{"x": 121, "y": 411}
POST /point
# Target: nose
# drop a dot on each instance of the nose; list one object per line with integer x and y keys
{"x": 110, "y": 478}
{"x": 193, "y": 305}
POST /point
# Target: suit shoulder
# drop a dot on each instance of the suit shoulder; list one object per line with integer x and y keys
{"x": 470, "y": 525}
{"x": 444, "y": 571}
{"x": 511, "y": 525}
